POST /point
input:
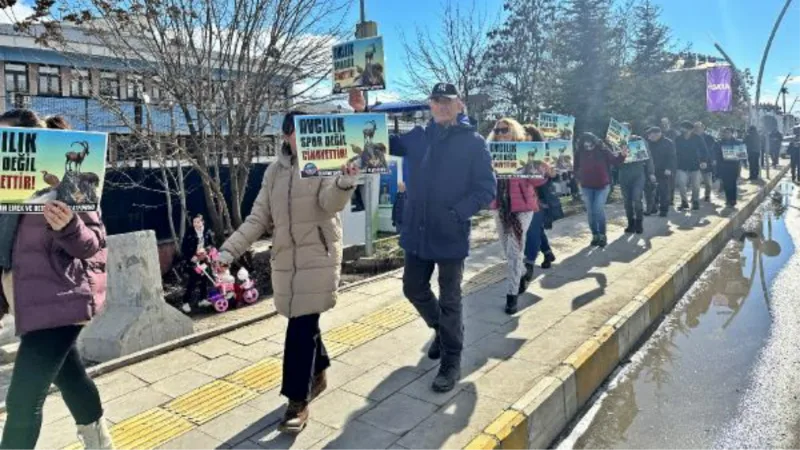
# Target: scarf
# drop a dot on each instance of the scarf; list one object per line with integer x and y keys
{"x": 509, "y": 219}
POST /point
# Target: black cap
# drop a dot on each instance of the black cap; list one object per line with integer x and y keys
{"x": 652, "y": 130}
{"x": 444, "y": 90}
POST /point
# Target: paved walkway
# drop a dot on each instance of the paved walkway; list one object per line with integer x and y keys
{"x": 223, "y": 392}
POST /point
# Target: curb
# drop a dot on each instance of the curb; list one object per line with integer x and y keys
{"x": 539, "y": 416}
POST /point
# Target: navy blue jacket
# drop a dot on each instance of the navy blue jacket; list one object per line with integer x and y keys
{"x": 450, "y": 179}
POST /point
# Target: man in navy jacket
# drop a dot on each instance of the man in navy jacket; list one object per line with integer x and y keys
{"x": 450, "y": 179}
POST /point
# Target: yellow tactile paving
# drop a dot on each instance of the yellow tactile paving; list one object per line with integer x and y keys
{"x": 157, "y": 426}
{"x": 335, "y": 348}
{"x": 146, "y": 430}
{"x": 260, "y": 377}
{"x": 209, "y": 401}
{"x": 388, "y": 318}
{"x": 354, "y": 334}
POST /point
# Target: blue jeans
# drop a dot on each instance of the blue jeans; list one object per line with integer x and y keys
{"x": 595, "y": 202}
{"x": 536, "y": 239}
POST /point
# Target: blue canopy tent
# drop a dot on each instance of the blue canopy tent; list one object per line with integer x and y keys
{"x": 401, "y": 107}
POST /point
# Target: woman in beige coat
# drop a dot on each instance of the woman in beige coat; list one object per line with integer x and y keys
{"x": 302, "y": 215}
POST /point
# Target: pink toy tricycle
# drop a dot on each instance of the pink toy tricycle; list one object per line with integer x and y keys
{"x": 226, "y": 290}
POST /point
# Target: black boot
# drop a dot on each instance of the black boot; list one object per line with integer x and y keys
{"x": 602, "y": 241}
{"x": 695, "y": 206}
{"x": 526, "y": 278}
{"x": 511, "y": 304}
{"x": 631, "y": 225}
{"x": 639, "y": 226}
{"x": 448, "y": 376}
{"x": 549, "y": 258}
{"x": 435, "y": 350}
{"x": 684, "y": 206}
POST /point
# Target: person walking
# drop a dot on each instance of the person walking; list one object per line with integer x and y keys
{"x": 709, "y": 172}
{"x": 514, "y": 207}
{"x": 549, "y": 211}
{"x": 662, "y": 151}
{"x": 729, "y": 169}
{"x": 593, "y": 161}
{"x": 194, "y": 249}
{"x": 302, "y": 216}
{"x": 450, "y": 180}
{"x": 633, "y": 176}
{"x": 774, "y": 140}
{"x": 53, "y": 283}
{"x": 692, "y": 157}
{"x": 753, "y": 143}
{"x": 794, "y": 154}
{"x": 671, "y": 134}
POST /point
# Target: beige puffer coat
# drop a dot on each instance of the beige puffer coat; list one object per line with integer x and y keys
{"x": 302, "y": 215}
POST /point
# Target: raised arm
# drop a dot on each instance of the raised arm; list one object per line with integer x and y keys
{"x": 484, "y": 184}
{"x": 258, "y": 223}
{"x": 334, "y": 193}
{"x": 82, "y": 237}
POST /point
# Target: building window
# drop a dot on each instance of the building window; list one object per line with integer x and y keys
{"x": 155, "y": 89}
{"x": 109, "y": 85}
{"x": 135, "y": 87}
{"x": 16, "y": 78}
{"x": 49, "y": 81}
{"x": 80, "y": 83}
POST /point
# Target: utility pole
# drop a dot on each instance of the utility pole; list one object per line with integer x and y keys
{"x": 366, "y": 29}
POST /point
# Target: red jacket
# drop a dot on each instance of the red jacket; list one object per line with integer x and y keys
{"x": 523, "y": 194}
{"x": 59, "y": 276}
{"x": 593, "y": 167}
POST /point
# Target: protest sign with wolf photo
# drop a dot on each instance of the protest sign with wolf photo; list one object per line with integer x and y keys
{"x": 37, "y": 165}
{"x": 517, "y": 159}
{"x": 637, "y": 151}
{"x": 326, "y": 142}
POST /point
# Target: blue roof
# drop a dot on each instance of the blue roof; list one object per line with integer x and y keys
{"x": 401, "y": 107}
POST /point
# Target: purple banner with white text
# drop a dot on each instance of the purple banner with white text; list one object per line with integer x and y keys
{"x": 719, "y": 95}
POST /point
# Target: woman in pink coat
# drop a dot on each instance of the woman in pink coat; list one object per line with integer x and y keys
{"x": 514, "y": 207}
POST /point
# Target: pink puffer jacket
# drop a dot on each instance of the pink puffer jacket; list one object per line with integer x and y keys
{"x": 59, "y": 277}
{"x": 523, "y": 194}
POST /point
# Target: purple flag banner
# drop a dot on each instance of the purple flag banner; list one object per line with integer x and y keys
{"x": 719, "y": 96}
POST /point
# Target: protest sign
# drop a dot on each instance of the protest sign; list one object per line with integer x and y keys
{"x": 734, "y": 152}
{"x": 637, "y": 151}
{"x": 37, "y": 165}
{"x": 326, "y": 142}
{"x": 559, "y": 155}
{"x": 556, "y": 126}
{"x": 617, "y": 135}
{"x": 517, "y": 159}
{"x": 358, "y": 64}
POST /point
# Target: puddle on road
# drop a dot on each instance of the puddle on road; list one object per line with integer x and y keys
{"x": 689, "y": 386}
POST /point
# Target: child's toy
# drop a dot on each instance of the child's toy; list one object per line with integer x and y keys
{"x": 226, "y": 291}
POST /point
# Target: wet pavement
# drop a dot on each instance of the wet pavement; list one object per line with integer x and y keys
{"x": 722, "y": 369}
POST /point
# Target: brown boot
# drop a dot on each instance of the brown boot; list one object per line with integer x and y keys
{"x": 295, "y": 418}
{"x": 318, "y": 385}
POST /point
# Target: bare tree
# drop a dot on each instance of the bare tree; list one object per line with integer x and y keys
{"x": 227, "y": 67}
{"x": 453, "y": 53}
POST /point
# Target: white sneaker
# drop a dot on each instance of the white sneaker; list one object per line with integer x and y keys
{"x": 186, "y": 308}
{"x": 95, "y": 436}
{"x": 204, "y": 304}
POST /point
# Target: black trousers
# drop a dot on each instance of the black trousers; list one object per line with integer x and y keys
{"x": 663, "y": 197}
{"x": 651, "y": 196}
{"x": 47, "y": 357}
{"x": 304, "y": 356}
{"x": 443, "y": 314}
{"x": 795, "y": 163}
{"x": 196, "y": 280}
{"x": 729, "y": 176}
{"x": 754, "y": 165}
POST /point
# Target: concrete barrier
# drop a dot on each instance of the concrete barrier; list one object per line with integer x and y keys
{"x": 136, "y": 316}
{"x": 540, "y": 416}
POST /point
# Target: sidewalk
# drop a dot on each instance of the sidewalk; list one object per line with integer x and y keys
{"x": 223, "y": 392}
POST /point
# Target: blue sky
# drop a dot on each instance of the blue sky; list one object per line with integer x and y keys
{"x": 740, "y": 26}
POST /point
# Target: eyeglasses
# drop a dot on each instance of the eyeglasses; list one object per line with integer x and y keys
{"x": 501, "y": 130}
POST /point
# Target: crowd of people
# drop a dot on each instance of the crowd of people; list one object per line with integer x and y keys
{"x": 450, "y": 178}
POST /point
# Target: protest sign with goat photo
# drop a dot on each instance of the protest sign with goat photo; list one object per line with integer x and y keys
{"x": 37, "y": 165}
